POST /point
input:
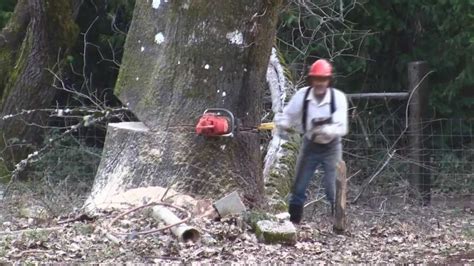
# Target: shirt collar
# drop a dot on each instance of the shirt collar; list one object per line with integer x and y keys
{"x": 326, "y": 99}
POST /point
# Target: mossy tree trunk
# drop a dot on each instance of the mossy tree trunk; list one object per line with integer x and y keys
{"x": 182, "y": 57}
{"x": 37, "y": 37}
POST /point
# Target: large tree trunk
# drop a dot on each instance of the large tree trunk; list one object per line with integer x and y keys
{"x": 180, "y": 58}
{"x": 33, "y": 41}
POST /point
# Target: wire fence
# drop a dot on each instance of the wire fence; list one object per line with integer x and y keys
{"x": 447, "y": 150}
{"x": 61, "y": 179}
{"x": 377, "y": 151}
{"x": 379, "y": 158}
{"x": 380, "y": 149}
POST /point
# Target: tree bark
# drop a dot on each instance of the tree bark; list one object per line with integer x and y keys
{"x": 182, "y": 57}
{"x": 34, "y": 40}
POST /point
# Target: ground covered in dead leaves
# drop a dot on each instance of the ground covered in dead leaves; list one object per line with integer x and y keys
{"x": 405, "y": 234}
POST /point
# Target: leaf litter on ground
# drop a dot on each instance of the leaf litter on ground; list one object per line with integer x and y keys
{"x": 407, "y": 235}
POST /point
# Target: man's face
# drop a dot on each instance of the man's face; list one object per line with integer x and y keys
{"x": 319, "y": 84}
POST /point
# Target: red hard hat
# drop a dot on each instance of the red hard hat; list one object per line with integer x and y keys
{"x": 321, "y": 68}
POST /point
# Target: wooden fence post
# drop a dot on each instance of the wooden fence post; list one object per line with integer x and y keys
{"x": 420, "y": 178}
{"x": 341, "y": 191}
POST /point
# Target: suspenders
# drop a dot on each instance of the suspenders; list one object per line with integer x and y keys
{"x": 332, "y": 104}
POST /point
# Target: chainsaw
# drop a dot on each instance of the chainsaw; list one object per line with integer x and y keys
{"x": 220, "y": 122}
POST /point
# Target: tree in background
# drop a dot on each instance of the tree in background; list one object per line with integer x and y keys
{"x": 77, "y": 75}
{"x": 371, "y": 43}
{"x": 309, "y": 30}
{"x": 35, "y": 39}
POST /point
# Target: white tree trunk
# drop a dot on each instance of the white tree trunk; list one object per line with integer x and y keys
{"x": 281, "y": 154}
{"x": 278, "y": 86}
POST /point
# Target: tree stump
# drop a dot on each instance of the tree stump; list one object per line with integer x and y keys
{"x": 134, "y": 156}
{"x": 341, "y": 191}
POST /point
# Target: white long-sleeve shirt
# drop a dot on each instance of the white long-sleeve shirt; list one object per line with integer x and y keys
{"x": 293, "y": 114}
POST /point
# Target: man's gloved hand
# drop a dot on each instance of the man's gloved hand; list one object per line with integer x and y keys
{"x": 282, "y": 126}
{"x": 281, "y": 121}
{"x": 328, "y": 130}
{"x": 321, "y": 134}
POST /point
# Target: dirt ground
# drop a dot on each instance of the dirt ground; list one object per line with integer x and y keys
{"x": 395, "y": 232}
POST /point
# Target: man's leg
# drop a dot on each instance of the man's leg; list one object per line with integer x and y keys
{"x": 330, "y": 159}
{"x": 305, "y": 167}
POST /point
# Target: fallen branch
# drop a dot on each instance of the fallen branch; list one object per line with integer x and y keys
{"x": 188, "y": 217}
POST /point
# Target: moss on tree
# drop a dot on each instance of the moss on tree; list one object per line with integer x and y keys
{"x": 280, "y": 180}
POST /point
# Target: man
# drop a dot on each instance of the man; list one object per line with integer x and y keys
{"x": 320, "y": 114}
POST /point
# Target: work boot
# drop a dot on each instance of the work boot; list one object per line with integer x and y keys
{"x": 296, "y": 213}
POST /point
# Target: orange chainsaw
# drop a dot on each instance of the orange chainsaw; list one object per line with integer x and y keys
{"x": 220, "y": 122}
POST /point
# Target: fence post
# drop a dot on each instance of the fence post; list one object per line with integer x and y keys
{"x": 419, "y": 178}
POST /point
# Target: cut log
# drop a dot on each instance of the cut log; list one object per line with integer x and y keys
{"x": 182, "y": 231}
{"x": 341, "y": 190}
